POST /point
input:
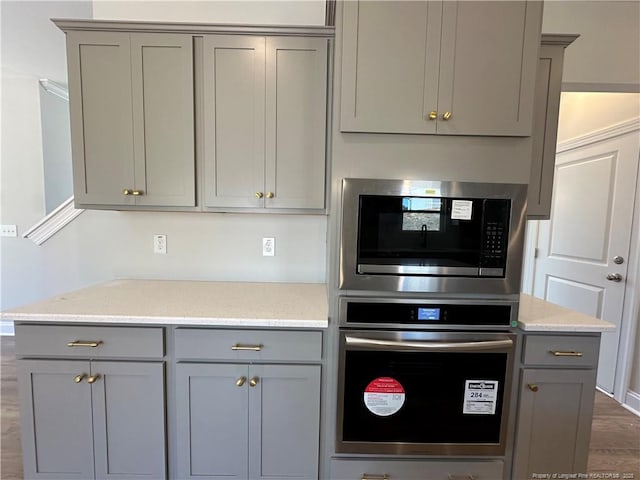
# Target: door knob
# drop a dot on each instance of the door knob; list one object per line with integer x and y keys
{"x": 614, "y": 277}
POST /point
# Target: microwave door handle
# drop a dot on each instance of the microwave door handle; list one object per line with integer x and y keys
{"x": 377, "y": 344}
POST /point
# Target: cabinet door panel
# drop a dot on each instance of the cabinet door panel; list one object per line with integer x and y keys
{"x": 55, "y": 419}
{"x": 489, "y": 56}
{"x": 296, "y": 106}
{"x": 101, "y": 120}
{"x": 554, "y": 422}
{"x": 234, "y": 68}
{"x": 390, "y": 57}
{"x": 128, "y": 411}
{"x": 162, "y": 80}
{"x": 284, "y": 421}
{"x": 211, "y": 418}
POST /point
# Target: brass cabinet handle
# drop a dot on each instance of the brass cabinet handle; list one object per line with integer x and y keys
{"x": 461, "y": 477}
{"x": 254, "y": 348}
{"x": 254, "y": 381}
{"x": 446, "y": 115}
{"x": 137, "y": 193}
{"x": 126, "y": 191}
{"x": 85, "y": 343}
{"x": 432, "y": 115}
{"x": 93, "y": 378}
{"x": 366, "y": 476}
{"x": 259, "y": 194}
{"x": 270, "y": 194}
{"x": 240, "y": 381}
{"x": 79, "y": 378}
{"x": 533, "y": 387}
{"x": 558, "y": 353}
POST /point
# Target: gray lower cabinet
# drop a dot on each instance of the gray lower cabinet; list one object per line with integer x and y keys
{"x": 438, "y": 67}
{"x": 92, "y": 419}
{"x": 247, "y": 421}
{"x": 132, "y": 121}
{"x": 264, "y": 127}
{"x": 557, "y": 389}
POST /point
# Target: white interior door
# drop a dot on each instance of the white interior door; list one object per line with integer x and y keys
{"x": 584, "y": 247}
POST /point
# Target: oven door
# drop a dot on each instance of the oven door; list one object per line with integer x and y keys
{"x": 424, "y": 393}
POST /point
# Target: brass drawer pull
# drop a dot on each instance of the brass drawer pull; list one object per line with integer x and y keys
{"x": 240, "y": 381}
{"x": 254, "y": 381}
{"x": 461, "y": 477}
{"x": 557, "y": 353}
{"x": 93, "y": 378}
{"x": 253, "y": 348}
{"x": 84, "y": 343}
{"x": 79, "y": 378}
{"x": 366, "y": 476}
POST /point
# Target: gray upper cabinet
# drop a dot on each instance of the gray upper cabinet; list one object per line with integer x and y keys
{"x": 265, "y": 101}
{"x": 545, "y": 124}
{"x": 432, "y": 67}
{"x": 131, "y": 109}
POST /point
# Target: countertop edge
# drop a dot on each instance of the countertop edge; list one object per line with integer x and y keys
{"x": 534, "y": 327}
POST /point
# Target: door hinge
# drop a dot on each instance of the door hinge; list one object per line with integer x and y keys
{"x": 536, "y": 252}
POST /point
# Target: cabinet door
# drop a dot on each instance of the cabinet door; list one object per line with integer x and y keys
{"x": 234, "y": 124}
{"x": 554, "y": 421}
{"x": 55, "y": 417}
{"x": 284, "y": 421}
{"x": 162, "y": 82}
{"x": 545, "y": 131}
{"x": 99, "y": 65}
{"x": 390, "y": 58}
{"x": 128, "y": 420}
{"x": 489, "y": 56}
{"x": 296, "y": 106}
{"x": 211, "y": 418}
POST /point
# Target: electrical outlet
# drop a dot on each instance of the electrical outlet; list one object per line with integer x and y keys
{"x": 268, "y": 247}
{"x": 160, "y": 244}
{"x": 8, "y": 231}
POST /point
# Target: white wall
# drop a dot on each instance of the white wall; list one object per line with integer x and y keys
{"x": 606, "y": 57}
{"x": 101, "y": 245}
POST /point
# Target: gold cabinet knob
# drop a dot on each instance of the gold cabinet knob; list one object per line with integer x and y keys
{"x": 270, "y": 194}
{"x": 126, "y": 191}
{"x": 446, "y": 115}
{"x": 93, "y": 378}
{"x": 253, "y": 382}
{"x": 79, "y": 378}
{"x": 137, "y": 193}
{"x": 432, "y": 115}
{"x": 240, "y": 381}
{"x": 533, "y": 387}
{"x": 259, "y": 194}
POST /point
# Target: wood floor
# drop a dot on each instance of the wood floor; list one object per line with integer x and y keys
{"x": 614, "y": 452}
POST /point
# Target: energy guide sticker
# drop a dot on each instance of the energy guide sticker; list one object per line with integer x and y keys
{"x": 384, "y": 396}
{"x": 461, "y": 209}
{"x": 480, "y": 397}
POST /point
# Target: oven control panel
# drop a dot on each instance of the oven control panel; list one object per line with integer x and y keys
{"x": 427, "y": 314}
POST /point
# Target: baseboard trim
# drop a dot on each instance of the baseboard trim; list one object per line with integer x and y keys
{"x": 6, "y": 328}
{"x": 632, "y": 402}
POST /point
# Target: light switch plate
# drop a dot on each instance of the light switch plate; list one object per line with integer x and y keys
{"x": 8, "y": 230}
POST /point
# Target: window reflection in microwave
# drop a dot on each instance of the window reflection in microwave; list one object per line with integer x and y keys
{"x": 421, "y": 214}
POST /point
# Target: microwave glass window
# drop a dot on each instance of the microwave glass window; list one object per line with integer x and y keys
{"x": 421, "y": 214}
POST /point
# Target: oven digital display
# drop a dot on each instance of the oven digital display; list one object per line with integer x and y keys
{"x": 428, "y": 313}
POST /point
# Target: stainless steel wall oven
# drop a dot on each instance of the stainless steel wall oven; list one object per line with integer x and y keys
{"x": 432, "y": 236}
{"x": 424, "y": 377}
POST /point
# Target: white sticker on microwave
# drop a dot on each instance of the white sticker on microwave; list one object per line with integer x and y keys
{"x": 461, "y": 209}
{"x": 480, "y": 397}
{"x": 384, "y": 396}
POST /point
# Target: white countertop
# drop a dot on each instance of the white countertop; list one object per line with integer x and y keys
{"x": 290, "y": 305}
{"x": 537, "y": 315}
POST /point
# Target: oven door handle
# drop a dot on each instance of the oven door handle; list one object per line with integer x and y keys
{"x": 473, "y": 346}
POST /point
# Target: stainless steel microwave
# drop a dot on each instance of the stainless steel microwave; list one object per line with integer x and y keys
{"x": 432, "y": 236}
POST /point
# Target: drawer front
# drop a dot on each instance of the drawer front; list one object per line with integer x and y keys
{"x": 89, "y": 341}
{"x": 562, "y": 351}
{"x": 345, "y": 469}
{"x": 247, "y": 345}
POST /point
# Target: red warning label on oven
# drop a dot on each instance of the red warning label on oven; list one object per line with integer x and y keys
{"x": 384, "y": 396}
